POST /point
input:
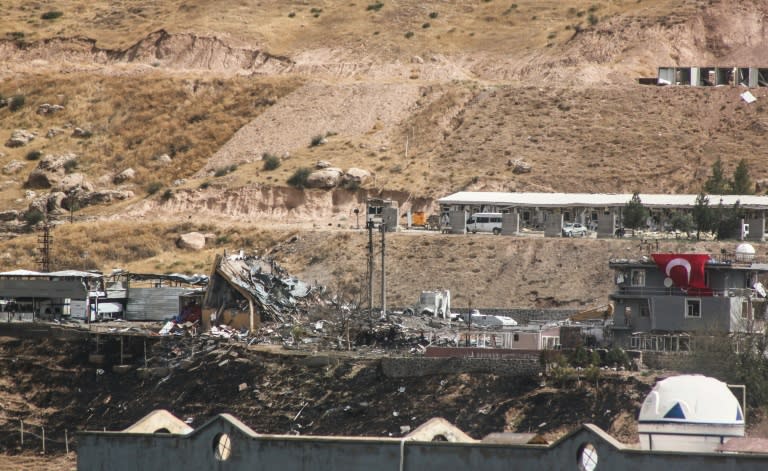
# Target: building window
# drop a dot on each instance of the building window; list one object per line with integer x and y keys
{"x": 638, "y": 278}
{"x": 644, "y": 310}
{"x": 693, "y": 308}
{"x": 516, "y": 337}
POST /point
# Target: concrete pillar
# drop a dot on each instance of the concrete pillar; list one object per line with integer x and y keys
{"x": 756, "y": 221}
{"x": 606, "y": 224}
{"x": 753, "y": 74}
{"x": 553, "y": 227}
{"x": 389, "y": 218}
{"x": 458, "y": 222}
{"x": 510, "y": 223}
{"x": 695, "y": 76}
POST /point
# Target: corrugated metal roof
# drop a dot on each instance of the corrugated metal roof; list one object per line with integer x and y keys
{"x": 597, "y": 200}
{"x": 60, "y": 274}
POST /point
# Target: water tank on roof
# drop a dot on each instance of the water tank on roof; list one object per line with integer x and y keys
{"x": 689, "y": 413}
{"x": 745, "y": 252}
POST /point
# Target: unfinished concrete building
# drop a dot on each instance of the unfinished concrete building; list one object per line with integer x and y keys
{"x": 709, "y": 76}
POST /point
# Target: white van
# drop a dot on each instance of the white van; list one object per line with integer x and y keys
{"x": 484, "y": 222}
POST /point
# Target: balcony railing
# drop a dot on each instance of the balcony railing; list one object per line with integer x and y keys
{"x": 656, "y": 291}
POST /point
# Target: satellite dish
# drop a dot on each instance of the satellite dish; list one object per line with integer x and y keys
{"x": 668, "y": 282}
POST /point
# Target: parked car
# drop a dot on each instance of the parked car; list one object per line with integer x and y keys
{"x": 574, "y": 229}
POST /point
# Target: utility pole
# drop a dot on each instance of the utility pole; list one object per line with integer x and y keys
{"x": 45, "y": 241}
{"x": 369, "y": 226}
{"x": 383, "y": 228}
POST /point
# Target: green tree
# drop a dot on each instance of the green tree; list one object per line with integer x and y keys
{"x": 741, "y": 183}
{"x": 703, "y": 217}
{"x": 717, "y": 184}
{"x": 728, "y": 221}
{"x": 682, "y": 222}
{"x": 635, "y": 213}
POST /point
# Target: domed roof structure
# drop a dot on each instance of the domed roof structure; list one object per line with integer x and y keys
{"x": 689, "y": 413}
{"x": 691, "y": 399}
{"x": 745, "y": 252}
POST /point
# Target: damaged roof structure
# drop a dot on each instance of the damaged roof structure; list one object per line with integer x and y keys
{"x": 253, "y": 285}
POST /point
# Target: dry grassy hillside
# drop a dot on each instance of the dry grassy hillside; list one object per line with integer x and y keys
{"x": 430, "y": 97}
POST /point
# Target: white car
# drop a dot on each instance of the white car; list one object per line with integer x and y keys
{"x": 574, "y": 229}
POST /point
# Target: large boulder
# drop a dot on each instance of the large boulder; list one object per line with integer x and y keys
{"x": 13, "y": 167}
{"x": 9, "y": 215}
{"x": 50, "y": 171}
{"x": 19, "y": 138}
{"x": 47, "y": 108}
{"x": 191, "y": 241}
{"x": 103, "y": 197}
{"x": 55, "y": 200}
{"x": 124, "y": 176}
{"x": 356, "y": 175}
{"x": 519, "y": 166}
{"x": 326, "y": 178}
{"x": 74, "y": 182}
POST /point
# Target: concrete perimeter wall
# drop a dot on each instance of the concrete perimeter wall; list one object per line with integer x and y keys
{"x": 523, "y": 364}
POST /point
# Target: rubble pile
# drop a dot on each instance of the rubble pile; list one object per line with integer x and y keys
{"x": 263, "y": 284}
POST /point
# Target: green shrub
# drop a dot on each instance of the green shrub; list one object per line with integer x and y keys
{"x": 34, "y": 154}
{"x": 271, "y": 161}
{"x": 317, "y": 140}
{"x": 374, "y": 6}
{"x": 220, "y": 172}
{"x": 351, "y": 185}
{"x": 291, "y": 14}
{"x": 433, "y": 15}
{"x": 408, "y": 35}
{"x": 17, "y": 102}
{"x": 205, "y": 185}
{"x": 153, "y": 187}
{"x": 33, "y": 216}
{"x": 617, "y": 357}
{"x": 299, "y": 178}
{"x": 167, "y": 194}
{"x": 70, "y": 165}
{"x": 426, "y": 25}
{"x": 51, "y": 15}
{"x": 592, "y": 19}
{"x": 316, "y": 11}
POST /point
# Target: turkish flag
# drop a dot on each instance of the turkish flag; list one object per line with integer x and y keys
{"x": 685, "y": 270}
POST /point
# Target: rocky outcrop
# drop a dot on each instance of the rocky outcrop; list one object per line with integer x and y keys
{"x": 191, "y": 241}
{"x": 519, "y": 166}
{"x": 50, "y": 171}
{"x": 9, "y": 215}
{"x": 20, "y": 138}
{"x": 13, "y": 167}
{"x": 356, "y": 175}
{"x": 326, "y": 178}
{"x": 124, "y": 176}
{"x": 74, "y": 182}
{"x": 82, "y": 133}
{"x": 47, "y": 108}
{"x": 104, "y": 197}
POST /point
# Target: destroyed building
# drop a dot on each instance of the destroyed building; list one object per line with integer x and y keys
{"x": 245, "y": 289}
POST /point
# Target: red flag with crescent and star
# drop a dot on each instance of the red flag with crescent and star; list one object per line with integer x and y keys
{"x": 687, "y": 271}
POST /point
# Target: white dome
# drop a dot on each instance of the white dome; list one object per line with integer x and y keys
{"x": 745, "y": 252}
{"x": 691, "y": 399}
